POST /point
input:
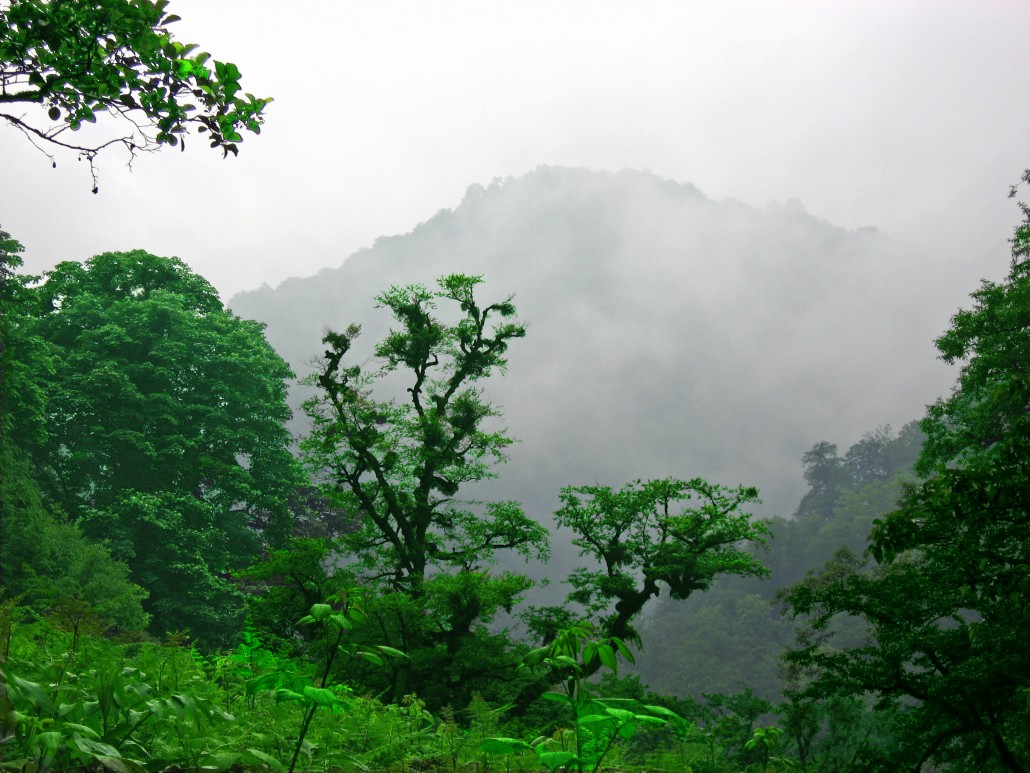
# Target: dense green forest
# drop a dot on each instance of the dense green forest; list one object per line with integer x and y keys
{"x": 186, "y": 585}
{"x": 183, "y": 588}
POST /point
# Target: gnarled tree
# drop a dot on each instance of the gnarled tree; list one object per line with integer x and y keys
{"x": 399, "y": 465}
{"x": 668, "y": 533}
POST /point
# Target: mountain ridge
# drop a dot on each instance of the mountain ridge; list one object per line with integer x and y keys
{"x": 669, "y": 333}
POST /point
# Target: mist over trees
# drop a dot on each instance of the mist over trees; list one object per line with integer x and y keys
{"x": 669, "y": 334}
{"x": 177, "y": 591}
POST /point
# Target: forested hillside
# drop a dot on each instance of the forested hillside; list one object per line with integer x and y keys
{"x": 181, "y": 591}
{"x": 731, "y": 638}
{"x": 669, "y": 333}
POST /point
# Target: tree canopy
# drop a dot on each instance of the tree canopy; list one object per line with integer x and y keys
{"x": 165, "y": 427}
{"x": 400, "y": 466}
{"x": 43, "y": 559}
{"x": 946, "y": 602}
{"x": 66, "y": 64}
{"x": 671, "y": 534}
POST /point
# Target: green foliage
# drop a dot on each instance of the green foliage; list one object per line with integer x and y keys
{"x": 643, "y": 540}
{"x": 44, "y": 558}
{"x": 25, "y": 359}
{"x": 599, "y": 723}
{"x": 85, "y": 708}
{"x": 726, "y": 724}
{"x": 765, "y": 740}
{"x": 165, "y": 434}
{"x": 945, "y": 605}
{"x": 400, "y": 468}
{"x": 78, "y": 61}
{"x": 338, "y": 615}
{"x": 401, "y": 465}
{"x": 456, "y": 649}
{"x": 833, "y": 732}
{"x": 142, "y": 707}
{"x": 283, "y": 586}
{"x": 80, "y": 568}
{"x": 730, "y": 638}
{"x": 181, "y": 549}
{"x": 876, "y": 458}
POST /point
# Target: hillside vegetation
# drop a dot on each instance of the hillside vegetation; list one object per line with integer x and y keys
{"x": 185, "y": 585}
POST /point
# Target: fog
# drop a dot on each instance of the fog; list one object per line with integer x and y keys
{"x": 670, "y": 334}
{"x": 824, "y": 185}
{"x": 906, "y": 116}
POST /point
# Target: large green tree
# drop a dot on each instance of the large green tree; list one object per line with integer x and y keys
{"x": 644, "y": 538}
{"x": 43, "y": 557}
{"x": 399, "y": 465}
{"x": 946, "y": 603}
{"x": 641, "y": 540}
{"x": 66, "y": 63}
{"x": 165, "y": 429}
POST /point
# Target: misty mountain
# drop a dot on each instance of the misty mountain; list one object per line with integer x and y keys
{"x": 670, "y": 334}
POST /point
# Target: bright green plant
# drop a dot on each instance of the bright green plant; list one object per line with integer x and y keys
{"x": 401, "y": 465}
{"x": 765, "y": 740}
{"x": 668, "y": 533}
{"x": 337, "y": 616}
{"x": 945, "y": 655}
{"x": 165, "y": 432}
{"x": 102, "y": 712}
{"x": 599, "y": 722}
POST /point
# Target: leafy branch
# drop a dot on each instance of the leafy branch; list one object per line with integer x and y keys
{"x": 70, "y": 62}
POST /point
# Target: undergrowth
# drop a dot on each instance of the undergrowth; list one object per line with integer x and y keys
{"x": 81, "y": 702}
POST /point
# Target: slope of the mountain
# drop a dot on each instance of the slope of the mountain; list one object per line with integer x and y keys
{"x": 669, "y": 334}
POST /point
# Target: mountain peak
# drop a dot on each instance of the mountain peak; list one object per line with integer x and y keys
{"x": 669, "y": 333}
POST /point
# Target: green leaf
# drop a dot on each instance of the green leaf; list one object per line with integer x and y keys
{"x": 120, "y": 765}
{"x": 589, "y": 653}
{"x": 262, "y": 683}
{"x": 340, "y": 621}
{"x": 34, "y": 692}
{"x": 621, "y": 714}
{"x": 554, "y": 760}
{"x": 565, "y": 660}
{"x": 283, "y": 694}
{"x": 320, "y": 696}
{"x": 220, "y": 760}
{"x": 87, "y": 732}
{"x": 503, "y": 745}
{"x": 95, "y": 748}
{"x": 320, "y": 612}
{"x": 664, "y": 712}
{"x": 607, "y": 655}
{"x": 555, "y": 696}
{"x": 645, "y": 719}
{"x": 623, "y": 649}
{"x": 593, "y": 719}
{"x": 264, "y": 758}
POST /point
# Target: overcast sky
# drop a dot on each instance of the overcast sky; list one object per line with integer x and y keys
{"x": 910, "y": 116}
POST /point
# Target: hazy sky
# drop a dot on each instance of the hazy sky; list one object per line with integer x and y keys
{"x": 911, "y": 116}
